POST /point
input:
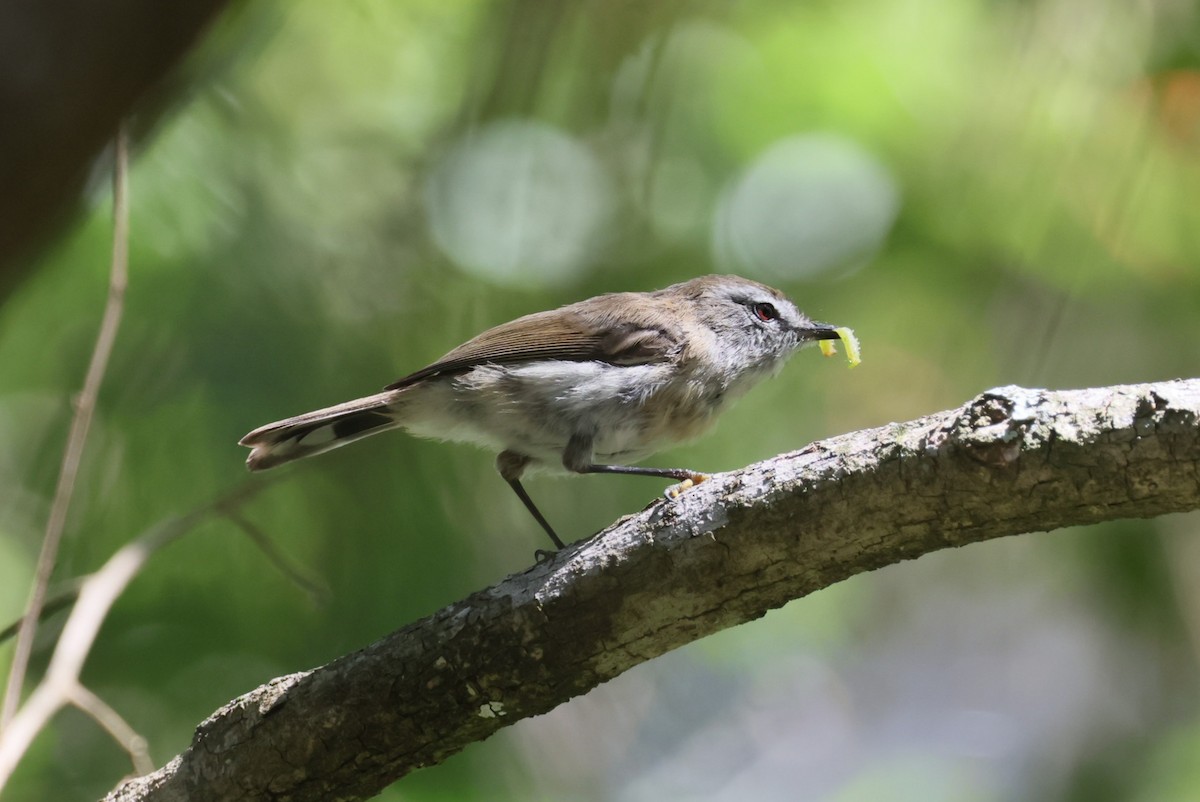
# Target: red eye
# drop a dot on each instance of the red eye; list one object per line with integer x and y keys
{"x": 765, "y": 312}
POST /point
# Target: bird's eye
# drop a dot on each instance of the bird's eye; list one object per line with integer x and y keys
{"x": 765, "y": 312}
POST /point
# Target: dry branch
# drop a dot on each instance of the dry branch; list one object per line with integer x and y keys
{"x": 1010, "y": 461}
{"x": 81, "y": 421}
{"x": 97, "y": 594}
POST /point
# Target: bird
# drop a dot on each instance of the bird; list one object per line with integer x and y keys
{"x": 590, "y": 387}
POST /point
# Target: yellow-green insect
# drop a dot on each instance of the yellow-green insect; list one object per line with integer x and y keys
{"x": 853, "y": 355}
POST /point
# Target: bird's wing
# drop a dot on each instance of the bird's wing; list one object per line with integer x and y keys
{"x": 563, "y": 334}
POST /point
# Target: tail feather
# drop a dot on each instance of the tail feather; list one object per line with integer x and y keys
{"x": 319, "y": 431}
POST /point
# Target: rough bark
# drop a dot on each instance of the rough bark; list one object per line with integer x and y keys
{"x": 1010, "y": 461}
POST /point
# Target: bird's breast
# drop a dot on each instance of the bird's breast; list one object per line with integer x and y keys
{"x": 535, "y": 408}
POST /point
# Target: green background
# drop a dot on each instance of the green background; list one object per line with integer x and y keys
{"x": 989, "y": 192}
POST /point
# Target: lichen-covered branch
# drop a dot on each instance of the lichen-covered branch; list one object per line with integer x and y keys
{"x": 1010, "y": 461}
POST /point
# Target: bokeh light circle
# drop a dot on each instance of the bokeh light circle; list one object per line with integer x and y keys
{"x": 810, "y": 204}
{"x": 519, "y": 202}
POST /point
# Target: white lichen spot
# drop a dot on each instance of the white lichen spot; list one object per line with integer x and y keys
{"x": 492, "y": 710}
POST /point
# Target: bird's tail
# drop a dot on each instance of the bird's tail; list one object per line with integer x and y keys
{"x": 320, "y": 431}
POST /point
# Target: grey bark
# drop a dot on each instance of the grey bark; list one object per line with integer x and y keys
{"x": 1011, "y": 460}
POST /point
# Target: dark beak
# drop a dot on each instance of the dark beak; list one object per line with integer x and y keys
{"x": 819, "y": 331}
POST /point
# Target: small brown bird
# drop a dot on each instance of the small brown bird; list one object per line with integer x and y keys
{"x": 587, "y": 388}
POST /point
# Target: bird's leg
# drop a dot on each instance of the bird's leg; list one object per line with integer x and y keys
{"x": 578, "y": 458}
{"x": 511, "y": 465}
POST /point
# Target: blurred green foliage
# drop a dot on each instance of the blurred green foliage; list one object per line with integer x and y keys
{"x": 989, "y": 193}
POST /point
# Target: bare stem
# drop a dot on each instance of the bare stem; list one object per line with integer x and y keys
{"x": 58, "y": 688}
{"x": 53, "y": 604}
{"x": 317, "y": 594}
{"x": 85, "y": 407}
{"x": 97, "y": 594}
{"x": 116, "y": 726}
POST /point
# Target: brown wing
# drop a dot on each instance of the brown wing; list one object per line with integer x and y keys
{"x": 564, "y": 334}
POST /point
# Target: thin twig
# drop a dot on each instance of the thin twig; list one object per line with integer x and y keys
{"x": 56, "y": 689}
{"x": 85, "y": 407}
{"x": 317, "y": 594}
{"x": 116, "y": 726}
{"x": 59, "y": 601}
{"x": 97, "y": 593}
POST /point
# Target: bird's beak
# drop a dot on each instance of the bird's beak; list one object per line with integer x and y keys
{"x": 819, "y": 331}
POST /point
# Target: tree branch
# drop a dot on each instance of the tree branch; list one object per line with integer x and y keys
{"x": 1010, "y": 461}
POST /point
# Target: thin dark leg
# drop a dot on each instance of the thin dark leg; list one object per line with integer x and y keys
{"x": 682, "y": 474}
{"x": 511, "y": 465}
{"x": 577, "y": 457}
{"x": 686, "y": 478}
{"x": 515, "y": 484}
